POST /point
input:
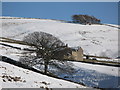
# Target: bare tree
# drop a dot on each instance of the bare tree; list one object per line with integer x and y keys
{"x": 45, "y": 47}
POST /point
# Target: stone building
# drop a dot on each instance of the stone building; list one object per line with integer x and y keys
{"x": 75, "y": 54}
{"x": 69, "y": 53}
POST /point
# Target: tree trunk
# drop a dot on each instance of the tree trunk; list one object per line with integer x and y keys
{"x": 46, "y": 66}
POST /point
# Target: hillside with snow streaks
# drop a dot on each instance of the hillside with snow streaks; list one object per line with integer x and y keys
{"x": 13, "y": 76}
{"x": 99, "y": 40}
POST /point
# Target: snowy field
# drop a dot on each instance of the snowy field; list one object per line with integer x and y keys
{"x": 89, "y": 74}
{"x": 12, "y": 76}
{"x": 99, "y": 40}
{"x": 11, "y": 52}
{"x": 95, "y": 75}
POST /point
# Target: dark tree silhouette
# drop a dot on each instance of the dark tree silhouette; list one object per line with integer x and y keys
{"x": 85, "y": 19}
{"x": 45, "y": 47}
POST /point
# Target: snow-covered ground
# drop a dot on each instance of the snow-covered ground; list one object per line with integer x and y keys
{"x": 12, "y": 52}
{"x": 13, "y": 76}
{"x": 16, "y": 54}
{"x": 99, "y": 68}
{"x": 99, "y": 40}
{"x": 90, "y": 74}
{"x": 94, "y": 77}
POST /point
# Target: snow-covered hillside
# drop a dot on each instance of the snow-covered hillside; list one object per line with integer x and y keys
{"x": 91, "y": 75}
{"x": 100, "y": 40}
{"x": 13, "y": 76}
